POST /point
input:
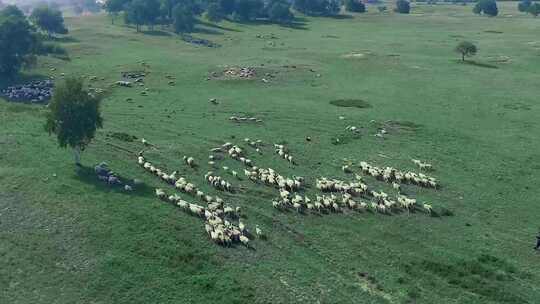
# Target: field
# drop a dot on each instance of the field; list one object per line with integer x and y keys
{"x": 66, "y": 237}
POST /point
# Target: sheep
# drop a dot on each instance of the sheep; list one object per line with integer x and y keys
{"x": 160, "y": 193}
{"x": 428, "y": 208}
{"x": 244, "y": 240}
{"x": 190, "y": 161}
{"x": 258, "y": 232}
{"x": 396, "y": 187}
{"x": 128, "y": 188}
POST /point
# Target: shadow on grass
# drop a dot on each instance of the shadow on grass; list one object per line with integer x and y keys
{"x": 216, "y": 26}
{"x": 88, "y": 176}
{"x": 297, "y": 23}
{"x": 159, "y": 33}
{"x": 65, "y": 39}
{"x": 204, "y": 30}
{"x": 341, "y": 16}
{"x": 479, "y": 64}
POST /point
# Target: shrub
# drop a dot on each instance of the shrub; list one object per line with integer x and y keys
{"x": 355, "y": 6}
{"x": 403, "y": 7}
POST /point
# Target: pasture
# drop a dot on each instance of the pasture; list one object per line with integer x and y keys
{"x": 66, "y": 237}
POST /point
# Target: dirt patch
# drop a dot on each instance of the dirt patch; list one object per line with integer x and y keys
{"x": 358, "y": 55}
{"x": 351, "y": 103}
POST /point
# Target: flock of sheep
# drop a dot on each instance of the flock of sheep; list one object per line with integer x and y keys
{"x": 223, "y": 222}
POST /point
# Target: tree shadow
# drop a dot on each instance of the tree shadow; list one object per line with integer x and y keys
{"x": 88, "y": 176}
{"x": 65, "y": 39}
{"x": 297, "y": 23}
{"x": 341, "y": 16}
{"x": 159, "y": 33}
{"x": 213, "y": 25}
{"x": 479, "y": 64}
{"x": 204, "y": 30}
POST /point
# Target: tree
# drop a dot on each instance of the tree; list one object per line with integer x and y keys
{"x": 534, "y": 9}
{"x": 74, "y": 116}
{"x": 49, "y": 20}
{"x": 246, "y": 10}
{"x": 18, "y": 40}
{"x": 280, "y": 12}
{"x": 214, "y": 12}
{"x": 486, "y": 7}
{"x": 113, "y": 7}
{"x": 403, "y": 7}
{"x": 355, "y": 6}
{"x": 183, "y": 19}
{"x": 523, "y": 6}
{"x": 466, "y": 48}
{"x": 135, "y": 13}
{"x": 227, "y": 6}
{"x": 142, "y": 12}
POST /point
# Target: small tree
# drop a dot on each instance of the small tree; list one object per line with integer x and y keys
{"x": 135, "y": 13}
{"x": 466, "y": 48}
{"x": 403, "y": 7}
{"x": 49, "y": 20}
{"x": 486, "y": 7}
{"x": 355, "y": 6}
{"x": 74, "y": 116}
{"x": 523, "y": 6}
{"x": 534, "y": 9}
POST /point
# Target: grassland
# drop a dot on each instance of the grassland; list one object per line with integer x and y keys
{"x": 67, "y": 238}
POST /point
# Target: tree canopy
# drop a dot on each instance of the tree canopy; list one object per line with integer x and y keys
{"x": 403, "y": 6}
{"x": 74, "y": 116}
{"x": 18, "y": 41}
{"x": 486, "y": 7}
{"x": 355, "y": 6}
{"x": 49, "y": 20}
{"x": 466, "y": 48}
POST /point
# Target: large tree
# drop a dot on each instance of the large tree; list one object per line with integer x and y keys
{"x": 114, "y": 7}
{"x": 183, "y": 19}
{"x": 74, "y": 116}
{"x": 140, "y": 12}
{"x": 18, "y": 41}
{"x": 49, "y": 20}
{"x": 280, "y": 12}
{"x": 403, "y": 6}
{"x": 534, "y": 9}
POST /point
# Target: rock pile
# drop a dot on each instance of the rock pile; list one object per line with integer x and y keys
{"x": 35, "y": 92}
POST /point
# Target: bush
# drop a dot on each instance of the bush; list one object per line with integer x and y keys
{"x": 51, "y": 48}
{"x": 355, "y": 6}
{"x": 486, "y": 7}
{"x": 403, "y": 7}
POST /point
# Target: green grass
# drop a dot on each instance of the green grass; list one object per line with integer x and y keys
{"x": 67, "y": 238}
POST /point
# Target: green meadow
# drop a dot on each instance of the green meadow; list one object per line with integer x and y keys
{"x": 66, "y": 237}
